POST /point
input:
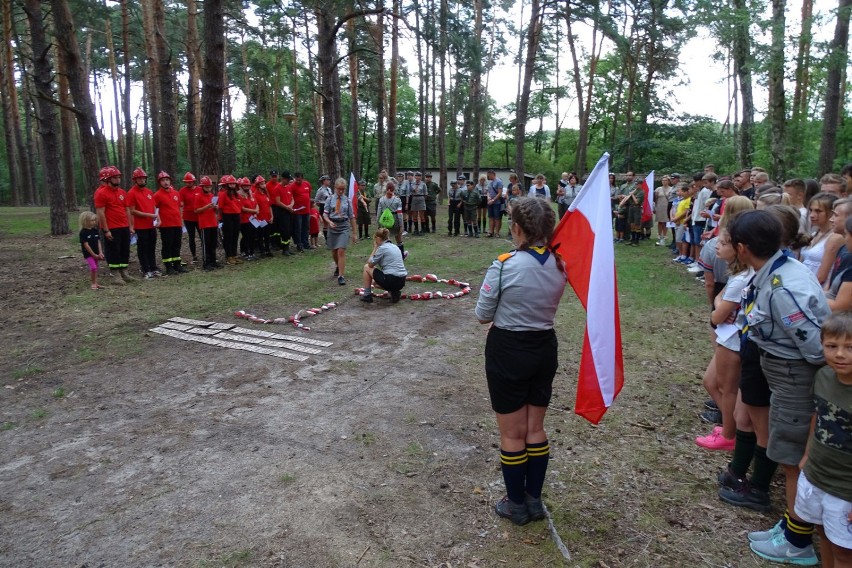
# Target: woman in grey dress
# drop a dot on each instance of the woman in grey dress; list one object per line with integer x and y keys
{"x": 340, "y": 219}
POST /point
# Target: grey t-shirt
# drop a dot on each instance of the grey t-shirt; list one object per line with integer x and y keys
{"x": 526, "y": 295}
{"x": 388, "y": 257}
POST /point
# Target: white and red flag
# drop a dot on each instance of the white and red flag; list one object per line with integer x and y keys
{"x": 648, "y": 188}
{"x": 584, "y": 239}
{"x": 353, "y": 193}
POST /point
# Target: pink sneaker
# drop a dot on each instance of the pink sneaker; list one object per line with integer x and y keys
{"x": 715, "y": 441}
{"x": 717, "y": 429}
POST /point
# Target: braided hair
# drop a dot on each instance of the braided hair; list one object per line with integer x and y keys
{"x": 537, "y": 220}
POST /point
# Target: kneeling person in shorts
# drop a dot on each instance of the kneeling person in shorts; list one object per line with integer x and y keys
{"x": 824, "y": 494}
{"x": 385, "y": 268}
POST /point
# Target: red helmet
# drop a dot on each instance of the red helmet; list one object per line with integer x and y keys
{"x": 138, "y": 173}
{"x": 108, "y": 172}
{"x": 226, "y": 179}
{"x": 205, "y": 181}
{"x": 259, "y": 180}
{"x": 244, "y": 181}
{"x": 163, "y": 175}
{"x": 188, "y": 178}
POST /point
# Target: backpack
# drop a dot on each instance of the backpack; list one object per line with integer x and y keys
{"x": 386, "y": 219}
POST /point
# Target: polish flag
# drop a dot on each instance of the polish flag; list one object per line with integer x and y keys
{"x": 648, "y": 188}
{"x": 353, "y": 193}
{"x": 584, "y": 238}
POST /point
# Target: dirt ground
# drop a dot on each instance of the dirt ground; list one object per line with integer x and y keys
{"x": 381, "y": 451}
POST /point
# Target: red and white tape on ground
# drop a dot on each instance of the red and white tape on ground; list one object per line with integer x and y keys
{"x": 437, "y": 295}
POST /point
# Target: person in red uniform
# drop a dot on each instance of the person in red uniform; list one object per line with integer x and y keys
{"x": 249, "y": 210}
{"x": 264, "y": 217}
{"x": 284, "y": 212}
{"x": 230, "y": 206}
{"x": 273, "y": 187}
{"x": 301, "y": 190}
{"x": 115, "y": 221}
{"x": 140, "y": 203}
{"x": 167, "y": 200}
{"x": 190, "y": 220}
{"x": 208, "y": 224}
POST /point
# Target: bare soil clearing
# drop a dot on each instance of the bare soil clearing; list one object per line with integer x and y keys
{"x": 120, "y": 447}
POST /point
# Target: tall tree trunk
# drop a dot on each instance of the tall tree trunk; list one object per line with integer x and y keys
{"x": 442, "y": 121}
{"x": 9, "y": 98}
{"x": 295, "y": 123}
{"x": 66, "y": 133}
{"x": 394, "y": 80}
{"x": 354, "y": 118}
{"x": 533, "y": 34}
{"x": 24, "y": 187}
{"x": 43, "y": 77}
{"x": 213, "y": 85}
{"x": 742, "y": 67}
{"x": 168, "y": 101}
{"x": 476, "y": 95}
{"x": 800, "y": 92}
{"x": 836, "y": 64}
{"x": 92, "y": 143}
{"x": 129, "y": 134}
{"x": 193, "y": 94}
{"x": 329, "y": 80}
{"x": 381, "y": 97}
{"x": 152, "y": 80}
{"x": 423, "y": 129}
{"x": 116, "y": 99}
{"x": 777, "y": 106}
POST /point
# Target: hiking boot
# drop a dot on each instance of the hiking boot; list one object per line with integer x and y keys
{"x": 395, "y": 295}
{"x": 508, "y": 509}
{"x": 125, "y": 276}
{"x": 535, "y": 507}
{"x": 237, "y": 260}
{"x": 711, "y": 417}
{"x": 341, "y": 280}
{"x": 367, "y": 298}
{"x": 779, "y": 549}
{"x": 116, "y": 279}
{"x": 758, "y": 536}
{"x": 230, "y": 261}
{"x": 729, "y": 480}
{"x": 748, "y": 497}
{"x": 180, "y": 269}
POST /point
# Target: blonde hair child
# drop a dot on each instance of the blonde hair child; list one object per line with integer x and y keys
{"x": 90, "y": 243}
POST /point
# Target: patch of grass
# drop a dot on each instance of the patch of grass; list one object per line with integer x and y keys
{"x": 367, "y": 438}
{"x": 285, "y": 478}
{"x": 432, "y": 342}
{"x": 39, "y": 413}
{"x": 87, "y": 353}
{"x": 26, "y": 372}
{"x": 233, "y": 559}
{"x": 59, "y": 392}
{"x": 414, "y": 449}
{"x": 7, "y": 426}
{"x": 23, "y": 221}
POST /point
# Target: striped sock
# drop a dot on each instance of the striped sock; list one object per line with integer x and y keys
{"x": 514, "y": 467}
{"x": 538, "y": 456}
{"x": 798, "y": 533}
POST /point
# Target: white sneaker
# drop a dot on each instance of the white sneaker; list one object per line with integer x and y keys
{"x": 405, "y": 233}
{"x": 695, "y": 269}
{"x": 692, "y": 265}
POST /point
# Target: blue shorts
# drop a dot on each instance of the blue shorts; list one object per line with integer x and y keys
{"x": 697, "y": 229}
{"x": 495, "y": 210}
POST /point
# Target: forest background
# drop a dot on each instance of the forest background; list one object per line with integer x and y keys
{"x": 332, "y": 86}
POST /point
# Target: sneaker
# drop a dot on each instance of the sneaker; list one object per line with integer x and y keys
{"x": 700, "y": 279}
{"x": 748, "y": 497}
{"x": 711, "y": 404}
{"x": 367, "y": 298}
{"x": 759, "y": 536}
{"x": 535, "y": 508}
{"x": 395, "y": 296}
{"x": 149, "y": 276}
{"x": 405, "y": 233}
{"x": 341, "y": 280}
{"x": 779, "y": 549}
{"x": 711, "y": 417}
{"x": 516, "y": 513}
{"x": 678, "y": 258}
{"x": 729, "y": 480}
{"x": 695, "y": 269}
{"x": 158, "y": 273}
{"x": 715, "y": 441}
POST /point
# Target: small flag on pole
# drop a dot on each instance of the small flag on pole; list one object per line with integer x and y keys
{"x": 584, "y": 239}
{"x": 353, "y": 197}
{"x": 648, "y": 189}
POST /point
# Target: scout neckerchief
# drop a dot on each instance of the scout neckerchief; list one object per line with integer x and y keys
{"x": 751, "y": 295}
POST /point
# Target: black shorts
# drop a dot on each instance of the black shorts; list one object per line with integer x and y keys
{"x": 388, "y": 282}
{"x": 404, "y": 199}
{"x": 519, "y": 367}
{"x": 753, "y": 386}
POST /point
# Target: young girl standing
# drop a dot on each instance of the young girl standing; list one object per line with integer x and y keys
{"x": 91, "y": 245}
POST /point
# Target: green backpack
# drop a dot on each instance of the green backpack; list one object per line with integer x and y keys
{"x": 386, "y": 219}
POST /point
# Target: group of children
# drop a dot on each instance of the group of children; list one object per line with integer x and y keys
{"x": 776, "y": 266}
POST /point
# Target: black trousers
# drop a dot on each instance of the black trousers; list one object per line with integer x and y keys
{"x": 170, "y": 238}
{"x": 191, "y": 228}
{"x": 262, "y": 240}
{"x": 247, "y": 231}
{"x": 284, "y": 224}
{"x": 146, "y": 245}
{"x": 208, "y": 245}
{"x": 117, "y": 250}
{"x": 454, "y": 218}
{"x": 230, "y": 233}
